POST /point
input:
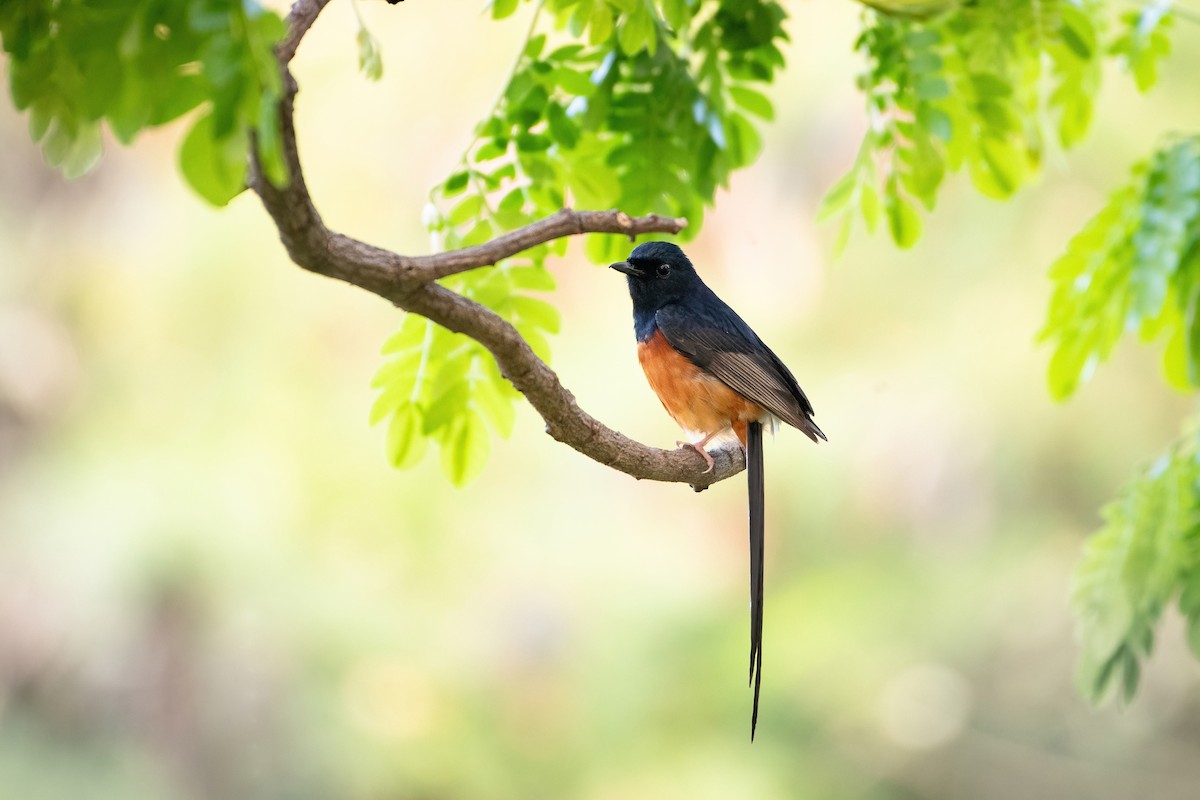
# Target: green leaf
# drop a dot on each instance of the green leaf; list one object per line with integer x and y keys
{"x": 410, "y": 336}
{"x": 270, "y": 143}
{"x": 904, "y": 222}
{"x": 843, "y": 235}
{"x": 535, "y": 312}
{"x": 531, "y": 278}
{"x": 385, "y": 405}
{"x": 503, "y": 8}
{"x": 936, "y": 121}
{"x": 533, "y": 47}
{"x": 839, "y": 197}
{"x": 990, "y": 85}
{"x": 455, "y": 183}
{"x": 370, "y": 62}
{"x": 869, "y": 205}
{"x": 479, "y": 233}
{"x": 74, "y": 150}
{"x": 496, "y": 407}
{"x": 405, "y": 444}
{"x": 214, "y": 167}
{"x": 465, "y": 448}
{"x": 448, "y": 407}
{"x": 1069, "y": 366}
{"x": 574, "y": 82}
{"x": 754, "y": 102}
{"x": 601, "y": 24}
{"x": 932, "y": 87}
{"x": 1078, "y": 31}
{"x": 467, "y": 209}
{"x": 637, "y": 32}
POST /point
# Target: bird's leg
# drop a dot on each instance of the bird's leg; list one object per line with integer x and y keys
{"x": 699, "y": 448}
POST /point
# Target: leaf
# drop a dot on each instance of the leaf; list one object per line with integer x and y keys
{"x": 369, "y": 60}
{"x": 411, "y": 335}
{"x": 990, "y": 85}
{"x": 455, "y": 183}
{"x": 400, "y": 372}
{"x": 535, "y": 312}
{"x": 601, "y": 24}
{"x": 904, "y": 222}
{"x": 936, "y": 121}
{"x": 533, "y": 47}
{"x": 745, "y": 143}
{"x": 1178, "y": 365}
{"x": 754, "y": 102}
{"x": 869, "y": 205}
{"x": 636, "y": 32}
{"x": 465, "y": 448}
{"x": 467, "y": 209}
{"x": 479, "y": 233}
{"x": 215, "y": 168}
{"x": 575, "y": 82}
{"x": 561, "y": 128}
{"x": 497, "y": 408}
{"x": 447, "y": 408}
{"x": 531, "y": 278}
{"x": 839, "y": 197}
{"x": 1069, "y": 366}
{"x": 385, "y": 405}
{"x": 405, "y": 444}
{"x": 270, "y": 143}
{"x": 75, "y": 150}
{"x": 932, "y": 87}
{"x": 1077, "y": 31}
{"x": 503, "y": 8}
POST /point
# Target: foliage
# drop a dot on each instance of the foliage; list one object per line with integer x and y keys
{"x": 987, "y": 87}
{"x": 1147, "y": 555}
{"x": 611, "y": 104}
{"x": 983, "y": 87}
{"x": 140, "y": 63}
{"x": 650, "y": 106}
{"x": 1134, "y": 267}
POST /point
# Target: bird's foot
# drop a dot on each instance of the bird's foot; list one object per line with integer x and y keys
{"x": 699, "y": 448}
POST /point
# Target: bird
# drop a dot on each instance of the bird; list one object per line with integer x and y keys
{"x": 713, "y": 375}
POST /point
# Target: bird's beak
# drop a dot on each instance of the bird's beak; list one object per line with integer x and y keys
{"x": 627, "y": 268}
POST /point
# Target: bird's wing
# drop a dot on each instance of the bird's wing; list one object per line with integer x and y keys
{"x": 715, "y": 338}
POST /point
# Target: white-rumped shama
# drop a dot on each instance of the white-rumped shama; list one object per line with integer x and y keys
{"x": 713, "y": 375}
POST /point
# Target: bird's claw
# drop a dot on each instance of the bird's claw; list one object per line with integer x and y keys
{"x": 703, "y": 454}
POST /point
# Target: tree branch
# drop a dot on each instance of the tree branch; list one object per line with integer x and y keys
{"x": 299, "y": 20}
{"x": 407, "y": 281}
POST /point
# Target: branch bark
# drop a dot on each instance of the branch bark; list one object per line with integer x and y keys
{"x": 408, "y": 282}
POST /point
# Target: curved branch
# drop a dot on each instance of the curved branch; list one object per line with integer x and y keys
{"x": 407, "y": 281}
{"x": 299, "y": 20}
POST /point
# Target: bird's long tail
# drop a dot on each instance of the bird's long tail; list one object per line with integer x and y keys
{"x": 755, "y": 481}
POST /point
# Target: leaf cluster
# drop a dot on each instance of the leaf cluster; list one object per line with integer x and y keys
{"x": 1146, "y": 556}
{"x": 1134, "y": 267}
{"x": 982, "y": 88}
{"x": 135, "y": 64}
{"x": 628, "y": 104}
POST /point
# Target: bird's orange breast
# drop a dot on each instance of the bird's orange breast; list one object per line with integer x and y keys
{"x": 696, "y": 400}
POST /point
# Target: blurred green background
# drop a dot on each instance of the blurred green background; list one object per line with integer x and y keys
{"x": 213, "y": 586}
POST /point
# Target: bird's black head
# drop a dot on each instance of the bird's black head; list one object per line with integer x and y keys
{"x": 658, "y": 274}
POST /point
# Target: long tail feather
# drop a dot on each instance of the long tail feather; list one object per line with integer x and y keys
{"x": 755, "y": 482}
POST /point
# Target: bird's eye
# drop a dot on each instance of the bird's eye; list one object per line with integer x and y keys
{"x": 663, "y": 270}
